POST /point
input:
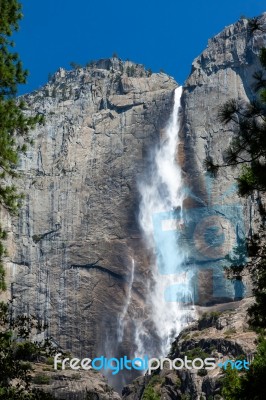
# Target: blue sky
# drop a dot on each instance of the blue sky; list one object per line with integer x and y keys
{"x": 166, "y": 34}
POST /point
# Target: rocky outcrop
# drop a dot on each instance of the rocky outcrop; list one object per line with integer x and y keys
{"x": 71, "y": 248}
{"x": 223, "y": 71}
{"x": 220, "y": 335}
{"x": 68, "y": 384}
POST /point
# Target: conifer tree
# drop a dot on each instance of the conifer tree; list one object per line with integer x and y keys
{"x": 248, "y": 123}
{"x": 248, "y": 149}
{"x": 14, "y": 125}
{"x": 16, "y": 348}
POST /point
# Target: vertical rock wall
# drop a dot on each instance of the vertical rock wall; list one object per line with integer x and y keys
{"x": 223, "y": 71}
{"x": 71, "y": 249}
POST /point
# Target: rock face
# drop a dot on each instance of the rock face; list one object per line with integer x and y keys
{"x": 223, "y": 71}
{"x": 219, "y": 335}
{"x": 71, "y": 249}
{"x": 69, "y": 385}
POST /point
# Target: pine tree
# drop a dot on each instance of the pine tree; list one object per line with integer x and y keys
{"x": 16, "y": 349}
{"x": 16, "y": 354}
{"x": 75, "y": 65}
{"x": 237, "y": 385}
{"x": 248, "y": 122}
{"x": 13, "y": 123}
{"x": 248, "y": 149}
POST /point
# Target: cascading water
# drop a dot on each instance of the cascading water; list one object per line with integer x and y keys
{"x": 161, "y": 221}
{"x": 121, "y": 323}
{"x": 162, "y": 313}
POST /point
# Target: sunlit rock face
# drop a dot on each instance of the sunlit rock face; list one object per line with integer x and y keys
{"x": 72, "y": 246}
{"x": 76, "y": 254}
{"x": 223, "y": 71}
{"x": 213, "y": 215}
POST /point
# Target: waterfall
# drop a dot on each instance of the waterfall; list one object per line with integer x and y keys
{"x": 121, "y": 323}
{"x": 160, "y": 218}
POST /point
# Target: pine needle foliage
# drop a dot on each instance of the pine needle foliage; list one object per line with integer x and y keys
{"x": 14, "y": 124}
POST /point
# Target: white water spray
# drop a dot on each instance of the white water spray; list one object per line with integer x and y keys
{"x": 161, "y": 221}
{"x": 121, "y": 323}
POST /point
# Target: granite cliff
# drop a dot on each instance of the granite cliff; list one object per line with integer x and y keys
{"x": 224, "y": 70}
{"x": 222, "y": 334}
{"x": 71, "y": 248}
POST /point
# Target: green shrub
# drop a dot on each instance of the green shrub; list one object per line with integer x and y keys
{"x": 37, "y": 238}
{"x": 75, "y": 65}
{"x": 130, "y": 71}
{"x": 178, "y": 383}
{"x": 197, "y": 352}
{"x": 248, "y": 385}
{"x": 185, "y": 336}
{"x": 26, "y": 366}
{"x": 150, "y": 394}
{"x": 208, "y": 319}
{"x": 76, "y": 377}
{"x": 27, "y": 351}
{"x": 89, "y": 64}
{"x": 185, "y": 396}
{"x": 202, "y": 372}
{"x": 155, "y": 379}
{"x": 50, "y": 361}
{"x": 229, "y": 332}
{"x": 41, "y": 379}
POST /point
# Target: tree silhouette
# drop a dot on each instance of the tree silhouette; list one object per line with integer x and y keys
{"x": 248, "y": 149}
{"x": 13, "y": 122}
{"x": 248, "y": 123}
{"x": 16, "y": 349}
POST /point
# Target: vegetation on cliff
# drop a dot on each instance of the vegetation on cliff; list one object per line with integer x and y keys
{"x": 14, "y": 125}
{"x": 17, "y": 352}
{"x": 250, "y": 385}
{"x": 16, "y": 349}
{"x": 247, "y": 120}
{"x": 248, "y": 148}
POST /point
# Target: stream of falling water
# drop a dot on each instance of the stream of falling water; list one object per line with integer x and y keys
{"x": 170, "y": 296}
{"x": 121, "y": 322}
